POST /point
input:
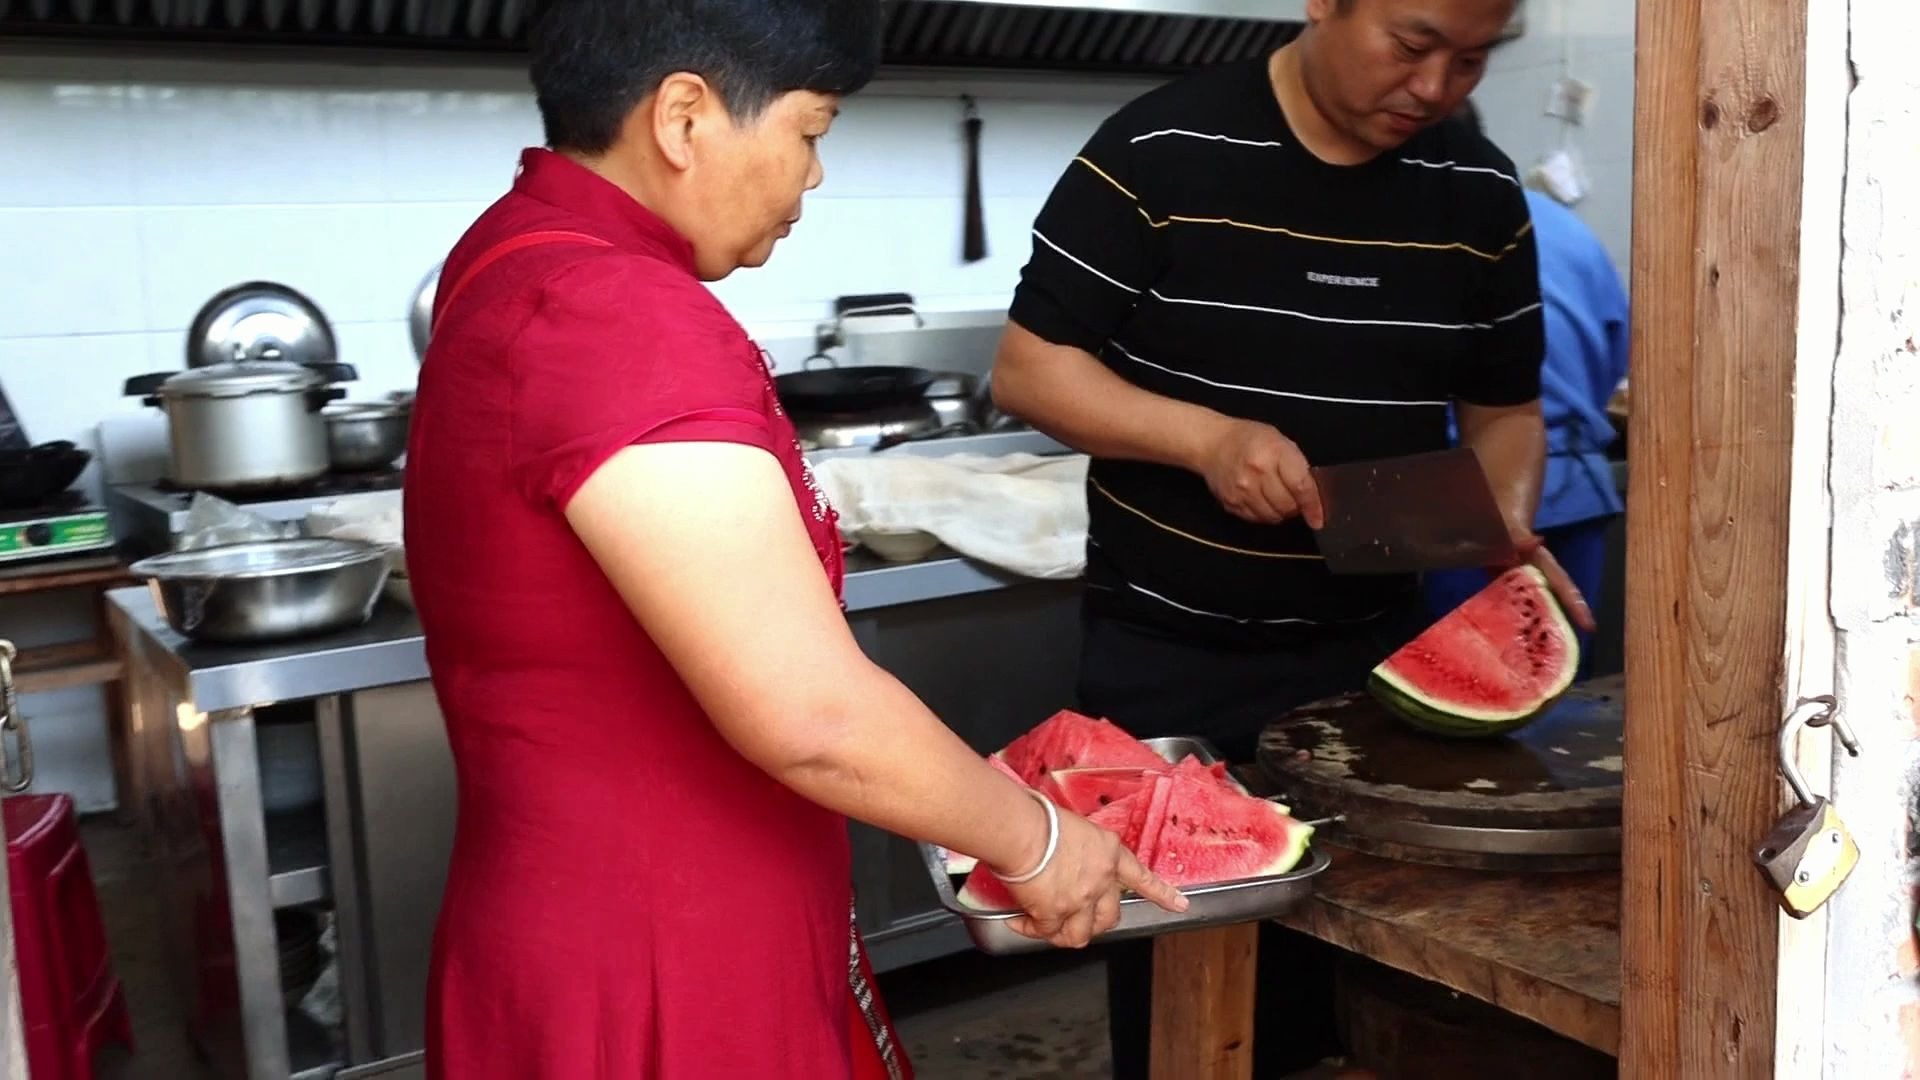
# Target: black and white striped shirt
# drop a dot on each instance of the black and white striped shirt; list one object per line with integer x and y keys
{"x": 1203, "y": 254}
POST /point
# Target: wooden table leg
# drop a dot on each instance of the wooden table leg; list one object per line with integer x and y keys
{"x": 1203, "y": 984}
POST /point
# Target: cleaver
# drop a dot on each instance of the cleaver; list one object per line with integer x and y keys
{"x": 1432, "y": 511}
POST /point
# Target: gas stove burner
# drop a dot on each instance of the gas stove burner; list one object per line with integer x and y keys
{"x": 326, "y": 485}
{"x": 63, "y": 526}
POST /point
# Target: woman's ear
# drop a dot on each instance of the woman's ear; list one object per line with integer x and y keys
{"x": 670, "y": 117}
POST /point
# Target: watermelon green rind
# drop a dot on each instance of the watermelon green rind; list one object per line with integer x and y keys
{"x": 1439, "y": 722}
{"x": 1461, "y": 719}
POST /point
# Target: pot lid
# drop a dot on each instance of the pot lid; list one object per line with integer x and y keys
{"x": 259, "y": 321}
{"x": 420, "y": 312}
{"x": 236, "y": 380}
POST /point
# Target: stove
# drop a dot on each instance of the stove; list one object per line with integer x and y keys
{"x": 149, "y": 515}
{"x": 61, "y": 527}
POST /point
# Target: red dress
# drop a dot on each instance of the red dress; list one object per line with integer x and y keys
{"x": 628, "y": 897}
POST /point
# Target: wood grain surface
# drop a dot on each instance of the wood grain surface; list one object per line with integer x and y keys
{"x": 1541, "y": 946}
{"x": 1717, "y": 177}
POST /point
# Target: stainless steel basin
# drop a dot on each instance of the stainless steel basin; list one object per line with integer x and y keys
{"x": 267, "y": 590}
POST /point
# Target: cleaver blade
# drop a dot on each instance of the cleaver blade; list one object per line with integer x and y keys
{"x": 1432, "y": 511}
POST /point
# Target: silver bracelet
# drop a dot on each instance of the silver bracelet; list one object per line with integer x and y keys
{"x": 1053, "y": 842}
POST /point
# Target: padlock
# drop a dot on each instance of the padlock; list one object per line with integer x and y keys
{"x": 1810, "y": 852}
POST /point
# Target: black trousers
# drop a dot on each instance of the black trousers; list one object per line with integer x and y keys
{"x": 1153, "y": 685}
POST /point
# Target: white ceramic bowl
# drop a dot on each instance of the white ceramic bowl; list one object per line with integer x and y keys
{"x": 899, "y": 545}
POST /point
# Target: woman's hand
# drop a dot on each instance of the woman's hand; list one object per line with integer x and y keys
{"x": 1077, "y": 897}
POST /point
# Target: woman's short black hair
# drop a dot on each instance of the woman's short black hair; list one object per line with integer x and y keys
{"x": 594, "y": 60}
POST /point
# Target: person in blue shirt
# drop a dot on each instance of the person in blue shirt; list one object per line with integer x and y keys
{"x": 1586, "y": 317}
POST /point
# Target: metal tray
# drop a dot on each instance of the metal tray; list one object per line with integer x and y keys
{"x": 1219, "y": 904}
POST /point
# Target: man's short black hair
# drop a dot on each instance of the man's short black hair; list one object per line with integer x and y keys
{"x": 594, "y": 60}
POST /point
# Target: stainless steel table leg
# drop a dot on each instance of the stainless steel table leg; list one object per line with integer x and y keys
{"x": 256, "y": 953}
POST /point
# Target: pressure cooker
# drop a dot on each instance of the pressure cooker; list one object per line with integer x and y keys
{"x": 241, "y": 426}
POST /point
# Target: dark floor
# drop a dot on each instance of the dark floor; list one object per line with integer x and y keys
{"x": 966, "y": 1017}
{"x": 130, "y": 911}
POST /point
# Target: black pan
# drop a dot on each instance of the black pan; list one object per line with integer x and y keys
{"x": 852, "y": 389}
{"x": 32, "y": 476}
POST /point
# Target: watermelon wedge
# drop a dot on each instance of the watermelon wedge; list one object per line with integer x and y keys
{"x": 1068, "y": 740}
{"x": 1088, "y": 791}
{"x": 1489, "y": 667}
{"x": 1206, "y": 833}
{"x": 1189, "y": 827}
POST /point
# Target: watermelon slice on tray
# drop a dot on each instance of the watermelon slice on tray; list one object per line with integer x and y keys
{"x": 1191, "y": 823}
{"x": 1491, "y": 666}
{"x": 1068, "y": 740}
{"x": 1187, "y": 830}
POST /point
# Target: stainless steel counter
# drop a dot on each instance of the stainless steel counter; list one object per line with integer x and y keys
{"x": 390, "y": 649}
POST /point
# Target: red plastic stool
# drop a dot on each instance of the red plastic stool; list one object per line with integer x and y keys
{"x": 69, "y": 998}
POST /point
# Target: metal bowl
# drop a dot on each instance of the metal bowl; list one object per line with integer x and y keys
{"x": 266, "y": 590}
{"x": 365, "y": 436}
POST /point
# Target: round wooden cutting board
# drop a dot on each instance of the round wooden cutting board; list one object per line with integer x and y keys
{"x": 1544, "y": 797}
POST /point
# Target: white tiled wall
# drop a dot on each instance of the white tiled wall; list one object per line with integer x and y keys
{"x": 134, "y": 188}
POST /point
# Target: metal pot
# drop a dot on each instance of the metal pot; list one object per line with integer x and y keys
{"x": 955, "y": 397}
{"x": 240, "y": 426}
{"x": 362, "y": 437}
{"x": 868, "y": 427}
{"x": 267, "y": 590}
{"x": 420, "y": 312}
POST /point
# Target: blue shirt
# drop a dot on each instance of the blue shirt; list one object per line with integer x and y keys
{"x": 1586, "y": 321}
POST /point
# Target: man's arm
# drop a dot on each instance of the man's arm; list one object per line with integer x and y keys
{"x": 1256, "y": 472}
{"x": 1511, "y": 442}
{"x": 1069, "y": 394}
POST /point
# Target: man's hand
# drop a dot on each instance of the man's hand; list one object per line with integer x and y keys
{"x": 1533, "y": 552}
{"x": 1260, "y": 475}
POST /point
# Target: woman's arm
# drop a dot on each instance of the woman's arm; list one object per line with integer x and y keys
{"x": 706, "y": 546}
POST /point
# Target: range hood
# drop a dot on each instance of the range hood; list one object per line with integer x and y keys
{"x": 1145, "y": 36}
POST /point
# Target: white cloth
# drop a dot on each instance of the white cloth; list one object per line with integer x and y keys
{"x": 376, "y": 518}
{"x": 1025, "y": 513}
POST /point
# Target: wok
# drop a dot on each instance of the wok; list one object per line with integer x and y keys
{"x": 31, "y": 476}
{"x": 840, "y": 390}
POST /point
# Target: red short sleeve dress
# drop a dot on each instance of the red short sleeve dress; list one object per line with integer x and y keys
{"x": 628, "y": 897}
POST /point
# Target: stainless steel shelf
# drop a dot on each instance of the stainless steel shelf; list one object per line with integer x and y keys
{"x": 297, "y": 858}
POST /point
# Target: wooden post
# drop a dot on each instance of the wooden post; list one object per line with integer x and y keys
{"x": 1203, "y": 983}
{"x": 1717, "y": 186}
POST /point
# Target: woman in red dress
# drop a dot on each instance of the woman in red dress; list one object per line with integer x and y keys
{"x": 629, "y": 586}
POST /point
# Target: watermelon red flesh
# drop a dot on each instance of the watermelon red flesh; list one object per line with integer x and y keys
{"x": 1088, "y": 791}
{"x": 1190, "y": 831}
{"x": 1209, "y": 834}
{"x": 1490, "y": 666}
{"x": 1068, "y": 740}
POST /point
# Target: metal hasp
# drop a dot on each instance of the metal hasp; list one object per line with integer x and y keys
{"x": 1809, "y": 853}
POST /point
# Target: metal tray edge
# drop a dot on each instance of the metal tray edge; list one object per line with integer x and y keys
{"x": 1139, "y": 917}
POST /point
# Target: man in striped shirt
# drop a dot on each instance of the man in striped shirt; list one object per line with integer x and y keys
{"x": 1245, "y": 272}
